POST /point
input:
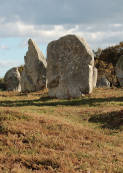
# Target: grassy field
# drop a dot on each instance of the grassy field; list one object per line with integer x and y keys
{"x": 44, "y": 135}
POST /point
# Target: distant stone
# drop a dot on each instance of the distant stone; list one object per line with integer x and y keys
{"x": 95, "y": 74}
{"x": 12, "y": 80}
{"x": 70, "y": 64}
{"x": 34, "y": 74}
{"x": 102, "y": 82}
{"x": 119, "y": 70}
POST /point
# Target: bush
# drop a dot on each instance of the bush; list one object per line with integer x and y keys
{"x": 106, "y": 62}
{"x": 21, "y": 68}
{"x": 2, "y": 84}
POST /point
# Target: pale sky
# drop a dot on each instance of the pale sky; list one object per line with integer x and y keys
{"x": 100, "y": 22}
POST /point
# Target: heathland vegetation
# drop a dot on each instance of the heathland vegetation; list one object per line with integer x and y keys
{"x": 46, "y": 135}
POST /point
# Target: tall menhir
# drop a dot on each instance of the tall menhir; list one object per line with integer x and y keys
{"x": 70, "y": 64}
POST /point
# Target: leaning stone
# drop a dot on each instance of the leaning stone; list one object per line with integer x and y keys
{"x": 12, "y": 80}
{"x": 34, "y": 73}
{"x": 70, "y": 67}
{"x": 119, "y": 70}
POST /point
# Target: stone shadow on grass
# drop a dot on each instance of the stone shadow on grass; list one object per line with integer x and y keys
{"x": 109, "y": 120}
{"x": 47, "y": 101}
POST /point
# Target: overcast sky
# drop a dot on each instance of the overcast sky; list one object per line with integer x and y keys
{"x": 100, "y": 22}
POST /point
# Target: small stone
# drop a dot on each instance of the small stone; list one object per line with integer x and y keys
{"x": 102, "y": 82}
{"x": 12, "y": 80}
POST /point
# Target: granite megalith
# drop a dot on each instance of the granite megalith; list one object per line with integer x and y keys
{"x": 33, "y": 76}
{"x": 119, "y": 70}
{"x": 70, "y": 64}
{"x": 102, "y": 82}
{"x": 12, "y": 80}
{"x": 95, "y": 75}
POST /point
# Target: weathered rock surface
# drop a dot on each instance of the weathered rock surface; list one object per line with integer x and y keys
{"x": 12, "y": 80}
{"x": 119, "y": 70}
{"x": 70, "y": 64}
{"x": 34, "y": 74}
{"x": 95, "y": 74}
{"x": 102, "y": 82}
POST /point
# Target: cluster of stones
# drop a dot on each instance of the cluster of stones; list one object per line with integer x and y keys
{"x": 33, "y": 76}
{"x": 68, "y": 71}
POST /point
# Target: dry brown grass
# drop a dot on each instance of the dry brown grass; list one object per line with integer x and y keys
{"x": 43, "y": 135}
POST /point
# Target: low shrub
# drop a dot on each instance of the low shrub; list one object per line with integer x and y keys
{"x": 2, "y": 84}
{"x": 21, "y": 68}
{"x": 106, "y": 61}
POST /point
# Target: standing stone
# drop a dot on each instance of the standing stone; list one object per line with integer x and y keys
{"x": 70, "y": 64}
{"x": 102, "y": 82}
{"x": 12, "y": 80}
{"x": 95, "y": 74}
{"x": 119, "y": 70}
{"x": 34, "y": 74}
